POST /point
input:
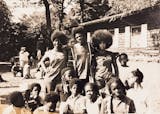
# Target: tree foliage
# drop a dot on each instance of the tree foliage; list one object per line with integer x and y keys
{"x": 119, "y": 6}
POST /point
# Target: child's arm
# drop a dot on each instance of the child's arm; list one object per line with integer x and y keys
{"x": 115, "y": 66}
{"x": 41, "y": 63}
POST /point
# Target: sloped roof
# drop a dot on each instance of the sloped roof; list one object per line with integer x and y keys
{"x": 120, "y": 16}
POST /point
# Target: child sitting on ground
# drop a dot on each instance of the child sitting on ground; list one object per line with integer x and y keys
{"x": 50, "y": 102}
{"x": 33, "y": 100}
{"x": 17, "y": 104}
{"x": 16, "y": 69}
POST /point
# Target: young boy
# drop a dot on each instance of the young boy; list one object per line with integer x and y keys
{"x": 123, "y": 59}
{"x": 124, "y": 68}
{"x": 76, "y": 102}
{"x": 81, "y": 56}
{"x": 93, "y": 100}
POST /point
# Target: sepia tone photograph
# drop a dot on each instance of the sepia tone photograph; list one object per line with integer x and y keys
{"x": 79, "y": 56}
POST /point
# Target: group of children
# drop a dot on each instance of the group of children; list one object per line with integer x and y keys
{"x": 73, "y": 87}
{"x": 21, "y": 67}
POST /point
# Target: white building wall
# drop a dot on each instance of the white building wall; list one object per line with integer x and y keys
{"x": 115, "y": 38}
{"x": 143, "y": 40}
{"x": 127, "y": 37}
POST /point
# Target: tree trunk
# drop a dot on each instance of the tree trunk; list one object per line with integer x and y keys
{"x": 48, "y": 17}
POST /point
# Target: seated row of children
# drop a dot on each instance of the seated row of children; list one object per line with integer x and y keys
{"x": 100, "y": 97}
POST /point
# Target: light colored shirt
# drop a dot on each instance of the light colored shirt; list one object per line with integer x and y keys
{"x": 81, "y": 60}
{"x": 57, "y": 62}
{"x": 139, "y": 97}
{"x": 23, "y": 58}
{"x": 116, "y": 106}
{"x": 76, "y": 104}
{"x": 93, "y": 107}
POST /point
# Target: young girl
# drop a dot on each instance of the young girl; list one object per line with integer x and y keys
{"x": 93, "y": 100}
{"x": 104, "y": 60}
{"x": 58, "y": 61}
{"x": 32, "y": 98}
{"x": 75, "y": 103}
{"x": 118, "y": 102}
{"x": 136, "y": 91}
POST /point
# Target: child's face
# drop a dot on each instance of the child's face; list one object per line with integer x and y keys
{"x": 47, "y": 63}
{"x": 123, "y": 62}
{"x": 116, "y": 90}
{"x": 68, "y": 75}
{"x": 56, "y": 43}
{"x": 102, "y": 46}
{"x": 80, "y": 38}
{"x": 89, "y": 91}
{"x": 35, "y": 92}
{"x": 131, "y": 79}
{"x": 74, "y": 89}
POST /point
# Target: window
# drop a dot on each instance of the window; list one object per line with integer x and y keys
{"x": 136, "y": 30}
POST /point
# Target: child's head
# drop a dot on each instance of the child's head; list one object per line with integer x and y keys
{"x": 75, "y": 86}
{"x": 136, "y": 76}
{"x": 116, "y": 87}
{"x": 47, "y": 62}
{"x": 123, "y": 59}
{"x": 23, "y": 48}
{"x": 102, "y": 39}
{"x": 80, "y": 35}
{"x": 16, "y": 99}
{"x": 67, "y": 73}
{"x": 35, "y": 89}
{"x": 91, "y": 91}
{"x": 51, "y": 100}
{"x": 59, "y": 38}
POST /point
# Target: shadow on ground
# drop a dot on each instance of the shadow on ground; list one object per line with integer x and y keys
{"x": 5, "y": 67}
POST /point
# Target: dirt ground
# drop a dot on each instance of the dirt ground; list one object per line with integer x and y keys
{"x": 151, "y": 83}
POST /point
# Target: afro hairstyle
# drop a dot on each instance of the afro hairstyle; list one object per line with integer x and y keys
{"x": 102, "y": 36}
{"x": 59, "y": 35}
{"x": 16, "y": 99}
